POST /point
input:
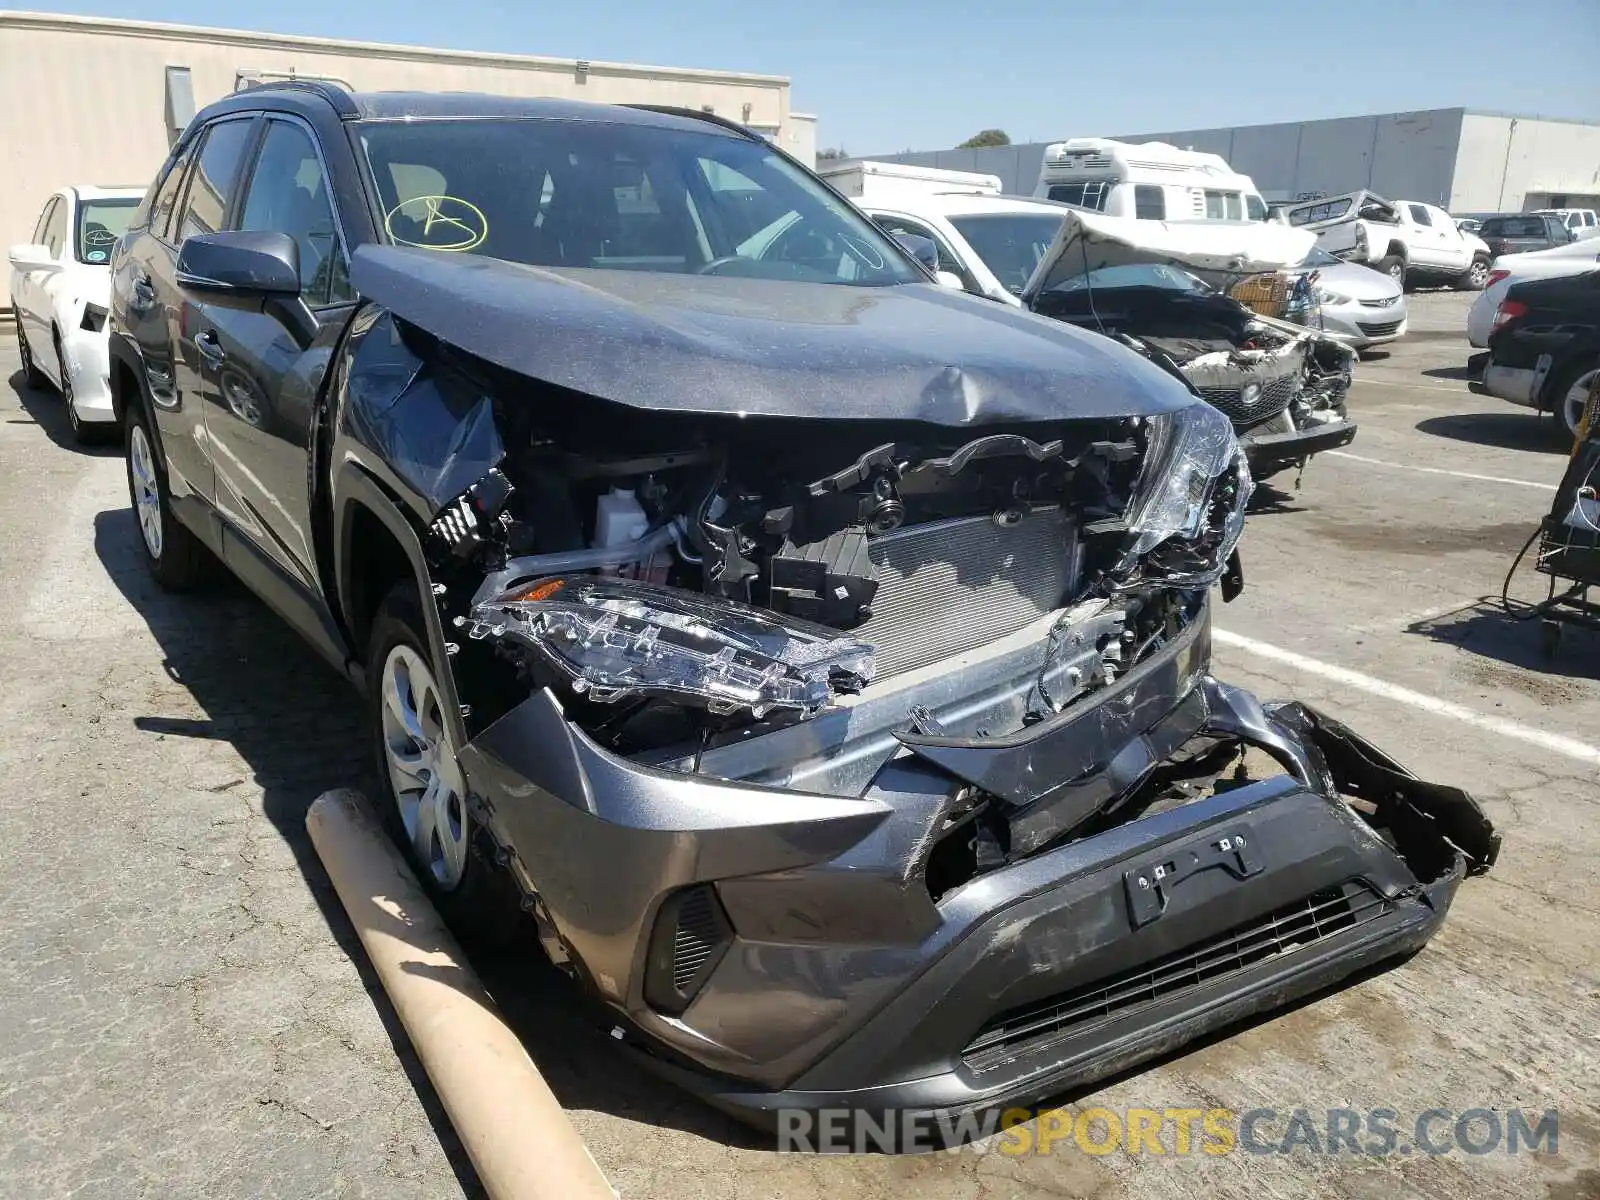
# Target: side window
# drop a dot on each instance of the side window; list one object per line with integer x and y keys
{"x": 1235, "y": 206}
{"x": 1216, "y": 206}
{"x": 1419, "y": 214}
{"x": 288, "y": 193}
{"x": 1149, "y": 203}
{"x": 216, "y": 172}
{"x": 55, "y": 229}
{"x": 1255, "y": 207}
{"x": 44, "y": 220}
{"x": 166, "y": 196}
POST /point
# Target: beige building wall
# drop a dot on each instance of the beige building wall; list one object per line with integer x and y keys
{"x": 83, "y": 100}
{"x": 1508, "y": 164}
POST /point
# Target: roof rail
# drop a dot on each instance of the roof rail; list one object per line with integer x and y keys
{"x": 699, "y": 114}
{"x": 332, "y": 92}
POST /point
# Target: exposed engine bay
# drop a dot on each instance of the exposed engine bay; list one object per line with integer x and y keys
{"x": 688, "y": 582}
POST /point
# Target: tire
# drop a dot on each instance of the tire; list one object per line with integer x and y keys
{"x": 1565, "y": 399}
{"x": 1394, "y": 266}
{"x": 1476, "y": 277}
{"x": 176, "y": 558}
{"x": 85, "y": 433}
{"x": 31, "y": 375}
{"x": 421, "y": 786}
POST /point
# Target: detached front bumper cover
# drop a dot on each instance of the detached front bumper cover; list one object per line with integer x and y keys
{"x": 775, "y": 948}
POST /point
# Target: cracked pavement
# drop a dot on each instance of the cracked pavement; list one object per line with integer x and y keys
{"x": 183, "y": 1011}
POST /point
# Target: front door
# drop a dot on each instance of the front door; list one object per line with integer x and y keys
{"x": 262, "y": 364}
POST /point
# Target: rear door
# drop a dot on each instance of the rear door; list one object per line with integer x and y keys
{"x": 261, "y": 365}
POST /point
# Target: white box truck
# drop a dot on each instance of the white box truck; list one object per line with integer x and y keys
{"x": 882, "y": 181}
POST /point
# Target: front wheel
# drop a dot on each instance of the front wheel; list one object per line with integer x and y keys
{"x": 175, "y": 557}
{"x": 423, "y": 788}
{"x": 1476, "y": 277}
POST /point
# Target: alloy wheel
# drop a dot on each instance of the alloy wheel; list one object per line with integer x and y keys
{"x": 1478, "y": 274}
{"x": 66, "y": 392}
{"x": 146, "y": 490}
{"x": 423, "y": 771}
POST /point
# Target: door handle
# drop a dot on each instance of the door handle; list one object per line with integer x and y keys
{"x": 209, "y": 347}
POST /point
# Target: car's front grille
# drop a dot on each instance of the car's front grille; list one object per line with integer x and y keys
{"x": 1284, "y": 931}
{"x": 1274, "y": 397}
{"x": 1385, "y": 302}
{"x": 1378, "y": 328}
{"x": 949, "y": 586}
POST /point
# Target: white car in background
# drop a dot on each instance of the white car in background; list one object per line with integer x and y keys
{"x": 60, "y": 291}
{"x": 1571, "y": 259}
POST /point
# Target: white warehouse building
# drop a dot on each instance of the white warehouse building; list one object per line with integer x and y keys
{"x": 86, "y": 100}
{"x": 1461, "y": 159}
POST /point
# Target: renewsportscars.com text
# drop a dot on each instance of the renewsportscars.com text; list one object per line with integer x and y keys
{"x": 1377, "y": 1132}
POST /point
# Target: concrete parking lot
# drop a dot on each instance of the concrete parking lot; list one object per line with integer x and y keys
{"x": 184, "y": 1012}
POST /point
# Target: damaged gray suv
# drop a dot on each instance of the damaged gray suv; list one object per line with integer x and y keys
{"x": 824, "y": 655}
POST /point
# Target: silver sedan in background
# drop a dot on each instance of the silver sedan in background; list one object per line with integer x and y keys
{"x": 1360, "y": 307}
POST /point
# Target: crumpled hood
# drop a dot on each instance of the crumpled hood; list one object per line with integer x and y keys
{"x": 1093, "y": 241}
{"x": 716, "y": 344}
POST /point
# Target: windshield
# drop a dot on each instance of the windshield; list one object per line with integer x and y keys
{"x": 1135, "y": 275}
{"x": 1318, "y": 257}
{"x": 1010, "y": 244}
{"x": 100, "y": 224}
{"x": 589, "y": 194}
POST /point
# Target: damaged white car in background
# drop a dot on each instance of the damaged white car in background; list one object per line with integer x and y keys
{"x": 1218, "y": 305}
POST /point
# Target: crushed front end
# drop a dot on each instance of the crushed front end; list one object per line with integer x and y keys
{"x": 880, "y": 765}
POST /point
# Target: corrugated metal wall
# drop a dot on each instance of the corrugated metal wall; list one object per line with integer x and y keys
{"x": 82, "y": 100}
{"x": 1398, "y": 154}
{"x": 1460, "y": 160}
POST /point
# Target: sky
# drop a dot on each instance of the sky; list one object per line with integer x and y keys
{"x": 890, "y": 75}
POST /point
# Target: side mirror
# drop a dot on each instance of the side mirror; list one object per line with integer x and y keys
{"x": 920, "y": 248}
{"x": 261, "y": 262}
{"x": 30, "y": 256}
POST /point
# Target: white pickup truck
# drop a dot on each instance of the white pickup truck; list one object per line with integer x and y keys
{"x": 1407, "y": 239}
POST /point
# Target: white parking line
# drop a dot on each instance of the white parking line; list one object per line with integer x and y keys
{"x": 1378, "y": 462}
{"x": 1570, "y": 747}
{"x": 1421, "y": 387}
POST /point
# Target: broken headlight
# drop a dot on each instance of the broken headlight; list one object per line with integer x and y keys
{"x": 1190, "y": 511}
{"x": 616, "y": 638}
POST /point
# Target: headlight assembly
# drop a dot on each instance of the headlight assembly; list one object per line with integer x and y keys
{"x": 614, "y": 638}
{"x": 1190, "y": 510}
{"x": 1325, "y": 296}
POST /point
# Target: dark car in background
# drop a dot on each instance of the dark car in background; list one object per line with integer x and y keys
{"x": 1544, "y": 346}
{"x": 821, "y": 654}
{"x": 1517, "y": 233}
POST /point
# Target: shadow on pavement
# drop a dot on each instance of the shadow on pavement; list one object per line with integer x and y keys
{"x": 1520, "y": 429}
{"x": 1460, "y": 372}
{"x": 49, "y": 413}
{"x": 301, "y": 729}
{"x": 1273, "y": 498}
{"x": 1486, "y": 630}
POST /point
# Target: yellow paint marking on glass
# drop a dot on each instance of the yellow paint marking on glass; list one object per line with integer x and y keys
{"x": 460, "y": 222}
